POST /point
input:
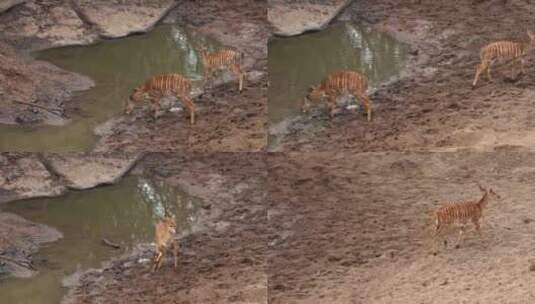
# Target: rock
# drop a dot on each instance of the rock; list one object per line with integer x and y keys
{"x": 7, "y": 4}
{"x": 36, "y": 82}
{"x": 85, "y": 171}
{"x": 123, "y": 19}
{"x": 24, "y": 176}
{"x": 290, "y": 19}
{"x": 107, "y": 127}
{"x": 20, "y": 238}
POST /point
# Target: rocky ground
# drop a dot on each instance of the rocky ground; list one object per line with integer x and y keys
{"x": 222, "y": 262}
{"x": 31, "y": 175}
{"x": 433, "y": 106}
{"x": 356, "y": 228}
{"x": 290, "y": 18}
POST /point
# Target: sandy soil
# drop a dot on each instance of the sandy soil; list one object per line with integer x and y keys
{"x": 357, "y": 228}
{"x": 222, "y": 262}
{"x": 433, "y": 106}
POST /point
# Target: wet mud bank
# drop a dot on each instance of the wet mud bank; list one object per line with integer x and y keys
{"x": 29, "y": 26}
{"x": 222, "y": 260}
{"x": 358, "y": 228}
{"x": 432, "y": 106}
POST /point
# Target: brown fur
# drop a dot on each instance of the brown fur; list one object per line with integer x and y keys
{"x": 163, "y": 85}
{"x": 165, "y": 238}
{"x": 222, "y": 59}
{"x": 500, "y": 51}
{"x": 461, "y": 213}
{"x": 336, "y": 84}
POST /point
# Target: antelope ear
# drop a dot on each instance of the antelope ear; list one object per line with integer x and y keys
{"x": 481, "y": 188}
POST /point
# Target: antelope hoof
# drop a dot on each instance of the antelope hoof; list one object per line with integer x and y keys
{"x": 457, "y": 246}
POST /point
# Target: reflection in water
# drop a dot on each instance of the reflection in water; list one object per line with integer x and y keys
{"x": 124, "y": 213}
{"x": 165, "y": 201}
{"x": 296, "y": 63}
{"x": 116, "y": 66}
{"x": 182, "y": 42}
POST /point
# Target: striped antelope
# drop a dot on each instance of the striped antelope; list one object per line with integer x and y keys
{"x": 220, "y": 60}
{"x": 503, "y": 51}
{"x": 165, "y": 238}
{"x": 462, "y": 212}
{"x": 155, "y": 88}
{"x": 336, "y": 84}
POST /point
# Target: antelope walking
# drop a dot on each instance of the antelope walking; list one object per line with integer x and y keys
{"x": 461, "y": 213}
{"x": 501, "y": 51}
{"x": 220, "y": 60}
{"x": 155, "y": 88}
{"x": 164, "y": 238}
{"x": 334, "y": 85}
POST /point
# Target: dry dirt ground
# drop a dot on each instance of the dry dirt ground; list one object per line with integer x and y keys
{"x": 224, "y": 261}
{"x": 357, "y": 228}
{"x": 433, "y": 106}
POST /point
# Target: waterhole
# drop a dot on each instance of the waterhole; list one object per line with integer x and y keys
{"x": 124, "y": 213}
{"x": 299, "y": 62}
{"x": 116, "y": 66}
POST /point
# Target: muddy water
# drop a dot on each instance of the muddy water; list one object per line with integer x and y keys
{"x": 296, "y": 63}
{"x": 124, "y": 214}
{"x": 116, "y": 66}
